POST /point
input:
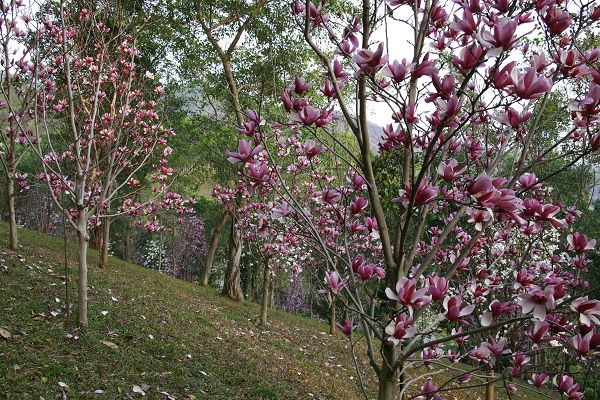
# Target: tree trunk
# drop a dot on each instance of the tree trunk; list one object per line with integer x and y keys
{"x": 105, "y": 241}
{"x": 265, "y": 295}
{"x": 231, "y": 284}
{"x": 272, "y": 293}
{"x": 82, "y": 241}
{"x": 12, "y": 216}
{"x": 253, "y": 284}
{"x": 212, "y": 249}
{"x": 332, "y": 317}
{"x": 95, "y": 240}
{"x": 388, "y": 378}
{"x": 127, "y": 240}
{"x": 489, "y": 389}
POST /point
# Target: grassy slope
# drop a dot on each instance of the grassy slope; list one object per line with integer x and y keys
{"x": 172, "y": 336}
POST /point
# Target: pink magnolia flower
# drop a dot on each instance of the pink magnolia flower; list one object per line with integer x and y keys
{"x": 424, "y": 194}
{"x": 502, "y": 37}
{"x": 332, "y": 279}
{"x": 581, "y": 344}
{"x": 358, "y": 205}
{"x": 537, "y": 301}
{"x": 513, "y": 118}
{"x": 468, "y": 58}
{"x": 589, "y": 310}
{"x": 530, "y": 85}
{"x": 368, "y": 271}
{"x": 370, "y": 61}
{"x": 527, "y": 181}
{"x": 346, "y": 328}
{"x": 566, "y": 385}
{"x": 557, "y": 20}
{"x": 450, "y": 169}
{"x": 428, "y": 391}
{"x": 300, "y": 86}
{"x": 310, "y": 149}
{"x": 408, "y": 295}
{"x": 437, "y": 287}
{"x": 400, "y": 328}
{"x": 467, "y": 24}
{"x": 579, "y": 243}
{"x": 496, "y": 309}
{"x": 397, "y": 71}
{"x": 245, "y": 152}
{"x": 519, "y": 361}
{"x": 330, "y": 196}
{"x": 456, "y": 308}
{"x": 538, "y": 380}
{"x": 479, "y": 216}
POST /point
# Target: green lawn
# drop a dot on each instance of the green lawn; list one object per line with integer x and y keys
{"x": 171, "y": 336}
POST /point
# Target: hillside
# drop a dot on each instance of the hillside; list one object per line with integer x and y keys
{"x": 157, "y": 334}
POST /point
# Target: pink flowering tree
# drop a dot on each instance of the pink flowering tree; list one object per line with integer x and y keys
{"x": 469, "y": 259}
{"x": 17, "y": 94}
{"x": 93, "y": 129}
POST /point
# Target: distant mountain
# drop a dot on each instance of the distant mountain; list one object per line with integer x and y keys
{"x": 375, "y": 135}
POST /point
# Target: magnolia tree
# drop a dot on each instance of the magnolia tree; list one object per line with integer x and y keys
{"x": 470, "y": 259}
{"x": 93, "y": 130}
{"x": 16, "y": 103}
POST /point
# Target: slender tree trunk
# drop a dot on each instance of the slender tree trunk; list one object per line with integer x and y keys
{"x": 489, "y": 389}
{"x": 272, "y": 293}
{"x": 212, "y": 249}
{"x": 265, "y": 295}
{"x": 231, "y": 284}
{"x": 105, "y": 241}
{"x": 127, "y": 240}
{"x": 12, "y": 216}
{"x": 253, "y": 284}
{"x": 47, "y": 218}
{"x": 95, "y": 241}
{"x": 82, "y": 241}
{"x": 332, "y": 317}
{"x": 388, "y": 377}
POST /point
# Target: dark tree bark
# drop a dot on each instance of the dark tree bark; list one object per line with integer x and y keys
{"x": 12, "y": 216}
{"x": 231, "y": 281}
{"x": 212, "y": 249}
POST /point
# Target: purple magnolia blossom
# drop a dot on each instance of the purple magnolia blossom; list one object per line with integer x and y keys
{"x": 330, "y": 196}
{"x": 346, "y": 327}
{"x": 358, "y": 205}
{"x": 537, "y": 300}
{"x": 580, "y": 344}
{"x": 400, "y": 328}
{"x": 408, "y": 295}
{"x": 370, "y": 61}
{"x": 538, "y": 380}
{"x": 397, "y": 71}
{"x": 530, "y": 85}
{"x": 538, "y": 332}
{"x": 437, "y": 287}
{"x": 424, "y": 194}
{"x": 311, "y": 150}
{"x": 456, "y": 308}
{"x": 589, "y": 310}
{"x": 579, "y": 243}
{"x": 557, "y": 20}
{"x": 332, "y": 279}
{"x": 450, "y": 170}
{"x": 567, "y": 386}
{"x": 496, "y": 309}
{"x": 245, "y": 152}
